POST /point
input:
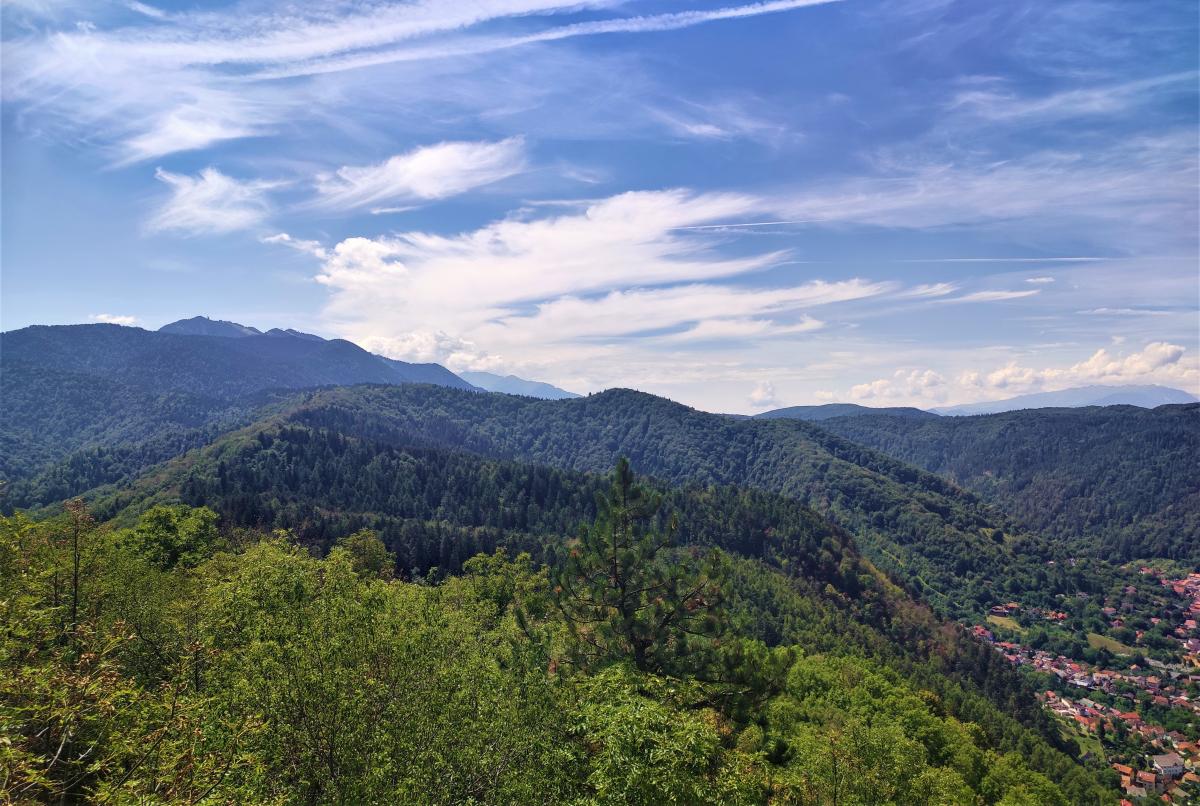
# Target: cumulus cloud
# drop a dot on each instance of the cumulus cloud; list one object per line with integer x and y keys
{"x": 763, "y": 395}
{"x": 911, "y": 384}
{"x": 114, "y": 319}
{"x": 210, "y": 202}
{"x": 1157, "y": 361}
{"x": 434, "y": 347}
{"x": 430, "y": 172}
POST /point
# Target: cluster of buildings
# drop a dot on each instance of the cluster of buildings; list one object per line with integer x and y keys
{"x": 1187, "y": 632}
{"x": 1170, "y": 773}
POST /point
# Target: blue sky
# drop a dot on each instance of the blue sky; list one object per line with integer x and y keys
{"x": 736, "y": 205}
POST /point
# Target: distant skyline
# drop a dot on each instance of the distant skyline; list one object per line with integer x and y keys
{"x": 740, "y": 206}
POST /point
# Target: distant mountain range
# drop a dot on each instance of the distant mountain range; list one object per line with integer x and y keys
{"x": 831, "y": 410}
{"x": 1147, "y": 397}
{"x": 487, "y": 381}
{"x": 512, "y": 385}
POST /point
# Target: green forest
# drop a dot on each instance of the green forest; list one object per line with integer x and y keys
{"x": 179, "y": 660}
{"x": 235, "y": 592}
{"x": 1115, "y": 481}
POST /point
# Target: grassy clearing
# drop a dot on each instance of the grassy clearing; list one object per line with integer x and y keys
{"x": 1097, "y": 641}
{"x": 1007, "y": 623}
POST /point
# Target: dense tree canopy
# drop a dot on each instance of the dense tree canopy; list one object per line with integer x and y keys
{"x": 255, "y": 672}
{"x": 1116, "y": 481}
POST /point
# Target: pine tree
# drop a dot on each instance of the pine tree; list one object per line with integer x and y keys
{"x": 626, "y": 596}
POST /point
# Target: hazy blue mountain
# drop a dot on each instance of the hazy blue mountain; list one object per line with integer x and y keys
{"x": 512, "y": 385}
{"x": 1145, "y": 396}
{"x": 203, "y": 326}
{"x": 829, "y": 410}
{"x": 289, "y": 332}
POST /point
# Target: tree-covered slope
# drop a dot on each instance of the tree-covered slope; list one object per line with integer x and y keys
{"x": 939, "y": 540}
{"x": 799, "y": 580}
{"x": 218, "y": 366}
{"x": 1115, "y": 481}
{"x": 84, "y": 405}
{"x": 194, "y": 664}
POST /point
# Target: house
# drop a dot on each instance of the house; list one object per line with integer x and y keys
{"x": 1169, "y": 765}
{"x": 1130, "y": 718}
{"x": 1147, "y": 781}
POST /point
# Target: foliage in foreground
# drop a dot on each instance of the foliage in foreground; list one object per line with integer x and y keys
{"x": 182, "y": 665}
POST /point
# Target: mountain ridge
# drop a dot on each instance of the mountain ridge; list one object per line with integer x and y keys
{"x": 829, "y": 410}
{"x": 1144, "y": 396}
{"x": 513, "y": 385}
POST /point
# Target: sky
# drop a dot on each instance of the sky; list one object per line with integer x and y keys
{"x": 738, "y": 205}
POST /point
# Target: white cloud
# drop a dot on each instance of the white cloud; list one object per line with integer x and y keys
{"x": 616, "y": 285}
{"x": 210, "y": 202}
{"x": 990, "y": 296}
{"x": 1125, "y": 312}
{"x": 113, "y": 319}
{"x": 1140, "y": 188}
{"x": 189, "y": 81}
{"x": 314, "y": 248}
{"x": 929, "y": 290}
{"x": 434, "y": 347}
{"x": 148, "y": 10}
{"x": 1039, "y": 280}
{"x": 910, "y": 384}
{"x": 477, "y": 276}
{"x": 763, "y": 395}
{"x": 430, "y": 172}
{"x": 1106, "y": 100}
{"x": 1156, "y": 362}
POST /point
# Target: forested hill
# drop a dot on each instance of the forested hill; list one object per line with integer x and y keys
{"x": 962, "y": 555}
{"x": 245, "y": 669}
{"x": 216, "y": 366}
{"x": 1113, "y": 481}
{"x": 798, "y": 579}
{"x": 107, "y": 401}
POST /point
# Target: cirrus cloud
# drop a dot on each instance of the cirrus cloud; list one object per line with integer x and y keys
{"x": 210, "y": 203}
{"x": 427, "y": 173}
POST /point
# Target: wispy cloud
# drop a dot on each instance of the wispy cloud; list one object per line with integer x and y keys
{"x": 618, "y": 269}
{"x": 189, "y": 81}
{"x": 209, "y": 203}
{"x": 1074, "y": 104}
{"x": 1125, "y": 312}
{"x": 1140, "y": 187}
{"x": 650, "y": 23}
{"x": 308, "y": 247}
{"x": 990, "y": 296}
{"x": 429, "y": 172}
